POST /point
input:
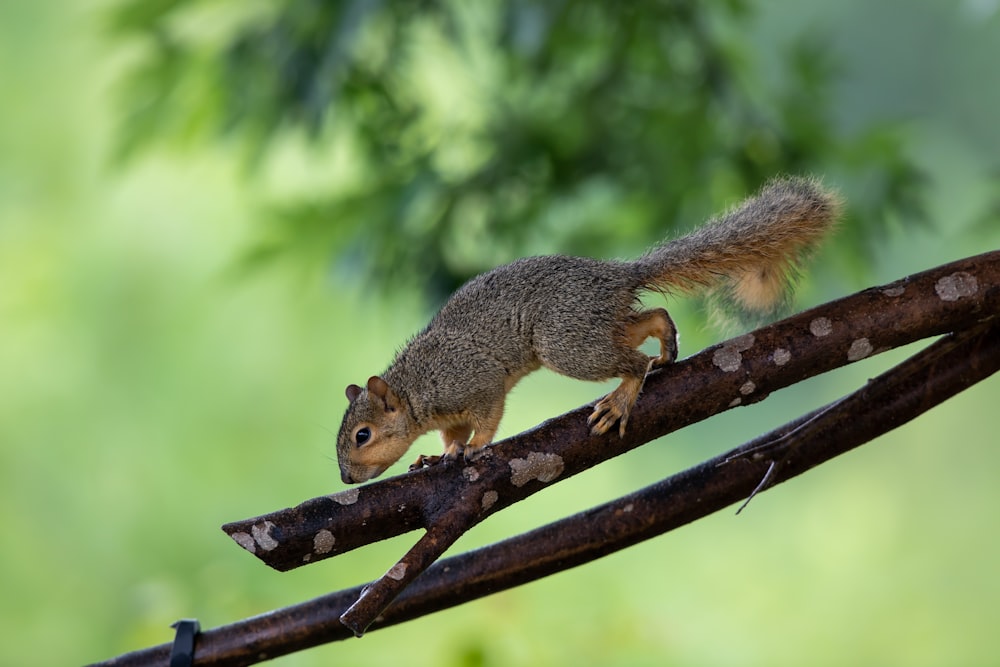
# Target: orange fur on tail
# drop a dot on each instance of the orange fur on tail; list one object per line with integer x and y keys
{"x": 753, "y": 250}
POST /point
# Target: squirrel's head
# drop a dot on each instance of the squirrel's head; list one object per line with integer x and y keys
{"x": 375, "y": 433}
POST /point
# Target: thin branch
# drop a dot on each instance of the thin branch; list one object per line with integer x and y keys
{"x": 906, "y": 391}
{"x": 377, "y": 596}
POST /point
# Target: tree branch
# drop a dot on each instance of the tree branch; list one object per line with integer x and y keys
{"x": 740, "y": 371}
{"x": 918, "y": 384}
{"x": 743, "y": 370}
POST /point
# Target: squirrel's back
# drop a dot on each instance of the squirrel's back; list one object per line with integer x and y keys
{"x": 515, "y": 296}
{"x": 552, "y": 310}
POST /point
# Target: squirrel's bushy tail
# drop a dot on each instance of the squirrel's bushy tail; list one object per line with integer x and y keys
{"x": 752, "y": 251}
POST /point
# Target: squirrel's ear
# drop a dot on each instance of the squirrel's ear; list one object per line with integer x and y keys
{"x": 378, "y": 387}
{"x": 352, "y": 392}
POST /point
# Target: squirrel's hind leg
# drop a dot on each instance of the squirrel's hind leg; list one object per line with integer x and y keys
{"x": 617, "y": 405}
{"x": 631, "y": 367}
{"x": 654, "y": 323}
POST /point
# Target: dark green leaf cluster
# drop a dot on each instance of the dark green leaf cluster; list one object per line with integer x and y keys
{"x": 480, "y": 132}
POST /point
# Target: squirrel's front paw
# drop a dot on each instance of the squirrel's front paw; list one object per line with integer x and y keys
{"x": 473, "y": 454}
{"x": 425, "y": 462}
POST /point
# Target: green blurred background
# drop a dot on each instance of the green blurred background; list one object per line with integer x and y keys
{"x": 185, "y": 291}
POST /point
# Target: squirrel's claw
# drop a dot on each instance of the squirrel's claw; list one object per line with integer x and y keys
{"x": 615, "y": 407}
{"x": 449, "y": 454}
{"x": 451, "y": 451}
{"x": 472, "y": 454}
{"x": 425, "y": 462}
{"x": 604, "y": 416}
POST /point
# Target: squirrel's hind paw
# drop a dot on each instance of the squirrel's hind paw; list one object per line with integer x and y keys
{"x": 615, "y": 407}
{"x": 604, "y": 417}
{"x": 609, "y": 410}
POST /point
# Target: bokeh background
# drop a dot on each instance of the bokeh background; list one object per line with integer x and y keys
{"x": 214, "y": 215}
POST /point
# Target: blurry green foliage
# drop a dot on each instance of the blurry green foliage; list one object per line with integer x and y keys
{"x": 145, "y": 399}
{"x": 474, "y": 133}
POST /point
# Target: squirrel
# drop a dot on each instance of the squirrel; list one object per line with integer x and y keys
{"x": 577, "y": 316}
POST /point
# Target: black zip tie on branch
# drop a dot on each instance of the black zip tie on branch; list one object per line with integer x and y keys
{"x": 182, "y": 652}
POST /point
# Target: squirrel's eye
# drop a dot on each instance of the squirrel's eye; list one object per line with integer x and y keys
{"x": 362, "y": 436}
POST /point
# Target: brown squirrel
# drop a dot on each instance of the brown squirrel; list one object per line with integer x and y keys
{"x": 579, "y": 317}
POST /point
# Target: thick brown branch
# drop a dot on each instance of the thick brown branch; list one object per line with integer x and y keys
{"x": 743, "y": 370}
{"x": 929, "y": 377}
{"x": 737, "y": 372}
{"x": 894, "y": 398}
